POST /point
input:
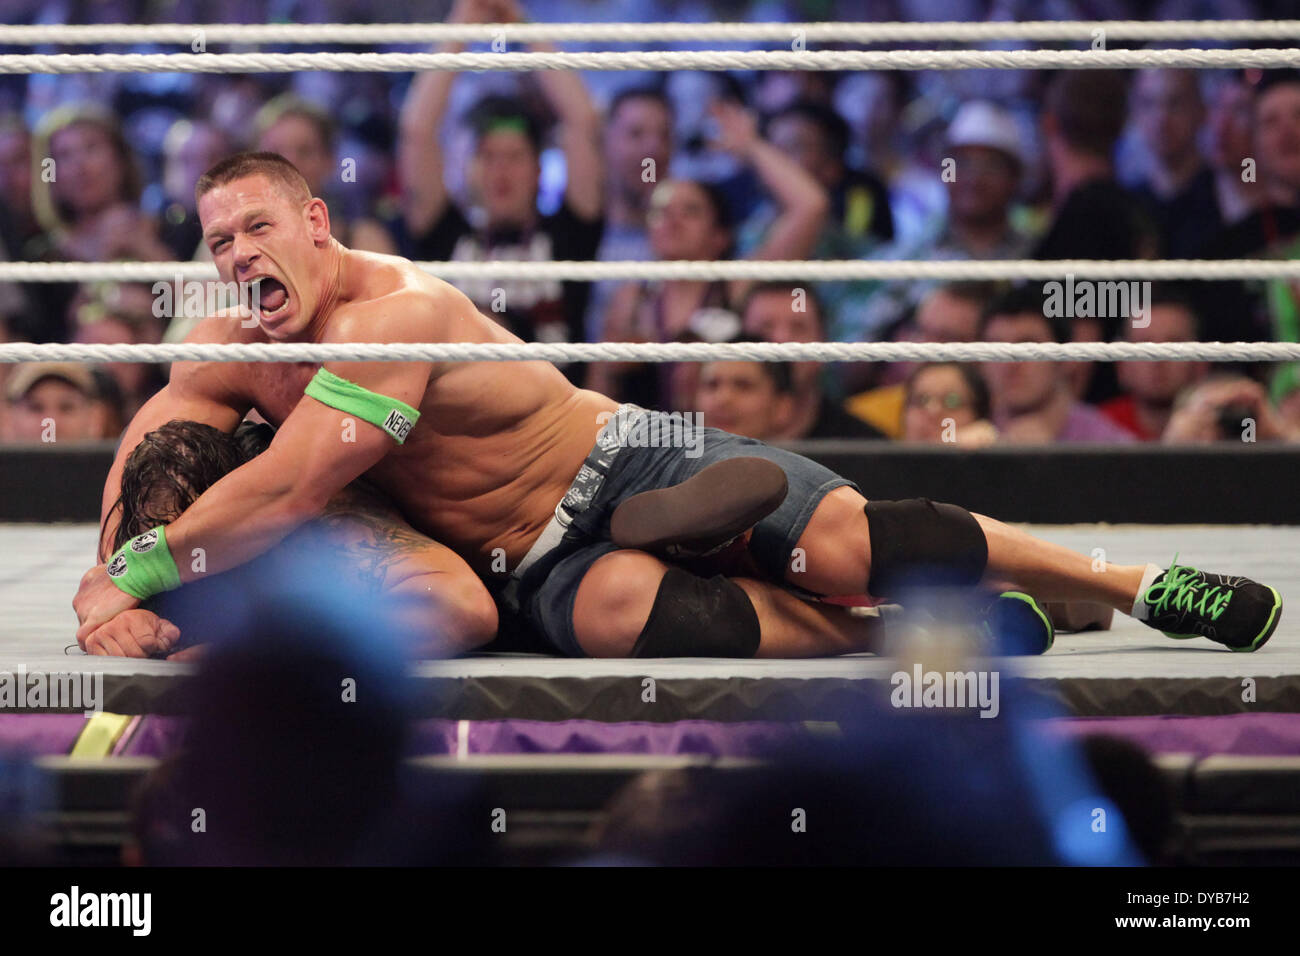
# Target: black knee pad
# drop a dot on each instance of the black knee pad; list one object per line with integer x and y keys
{"x": 699, "y": 617}
{"x": 917, "y": 542}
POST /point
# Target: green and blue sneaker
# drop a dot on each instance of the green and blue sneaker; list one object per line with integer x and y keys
{"x": 1016, "y": 625}
{"x": 1234, "y": 611}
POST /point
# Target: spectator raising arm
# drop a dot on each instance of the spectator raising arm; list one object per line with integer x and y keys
{"x": 803, "y": 202}
{"x": 419, "y": 147}
{"x": 579, "y": 125}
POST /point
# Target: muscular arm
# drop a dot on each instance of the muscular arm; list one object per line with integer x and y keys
{"x": 199, "y": 393}
{"x": 419, "y": 152}
{"x": 316, "y": 452}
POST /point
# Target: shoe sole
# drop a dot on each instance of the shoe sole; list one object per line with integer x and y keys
{"x": 1260, "y": 640}
{"x": 704, "y": 511}
{"x": 1027, "y": 601}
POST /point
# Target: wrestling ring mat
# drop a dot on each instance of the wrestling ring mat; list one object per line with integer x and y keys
{"x": 1129, "y": 671}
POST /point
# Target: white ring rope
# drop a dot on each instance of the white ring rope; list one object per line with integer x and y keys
{"x": 644, "y": 60}
{"x": 820, "y": 270}
{"x": 891, "y": 32}
{"x": 660, "y": 352}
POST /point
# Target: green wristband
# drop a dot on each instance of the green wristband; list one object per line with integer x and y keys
{"x": 393, "y": 416}
{"x": 144, "y": 567}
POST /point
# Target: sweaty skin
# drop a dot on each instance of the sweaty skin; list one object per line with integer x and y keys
{"x": 496, "y": 447}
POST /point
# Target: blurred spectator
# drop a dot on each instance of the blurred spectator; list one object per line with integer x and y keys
{"x": 1227, "y": 408}
{"x": 892, "y": 788}
{"x": 1277, "y": 135}
{"x": 305, "y": 135}
{"x": 1150, "y": 388}
{"x": 504, "y": 174}
{"x": 1179, "y": 189}
{"x": 231, "y": 104}
{"x": 690, "y": 220}
{"x": 86, "y": 201}
{"x": 1093, "y": 216}
{"x": 948, "y": 402}
{"x": 778, "y": 90}
{"x": 87, "y": 204}
{"x": 947, "y": 313}
{"x": 1227, "y": 146}
{"x": 17, "y": 217}
{"x": 873, "y": 103}
{"x": 1128, "y": 776}
{"x": 307, "y": 770}
{"x": 1285, "y": 392}
{"x": 754, "y": 399}
{"x": 785, "y": 312}
{"x": 1235, "y": 311}
{"x": 988, "y": 155}
{"x": 17, "y": 220}
{"x": 1031, "y": 401}
{"x": 699, "y": 154}
{"x": 638, "y": 148}
{"x": 189, "y": 150}
{"x": 53, "y": 402}
{"x": 860, "y": 222}
{"x": 122, "y": 314}
{"x": 984, "y": 143}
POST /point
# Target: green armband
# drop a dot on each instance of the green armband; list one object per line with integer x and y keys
{"x": 393, "y": 416}
{"x": 144, "y": 567}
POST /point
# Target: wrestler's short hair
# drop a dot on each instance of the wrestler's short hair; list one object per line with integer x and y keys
{"x": 172, "y": 466}
{"x": 242, "y": 165}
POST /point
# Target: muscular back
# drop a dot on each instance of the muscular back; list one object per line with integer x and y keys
{"x": 497, "y": 443}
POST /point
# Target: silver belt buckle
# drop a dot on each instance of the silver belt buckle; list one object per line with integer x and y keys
{"x": 562, "y": 515}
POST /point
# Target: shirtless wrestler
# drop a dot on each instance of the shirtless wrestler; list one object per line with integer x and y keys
{"x": 488, "y": 458}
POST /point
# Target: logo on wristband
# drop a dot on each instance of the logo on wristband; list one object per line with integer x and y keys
{"x": 144, "y": 542}
{"x": 397, "y": 425}
{"x": 117, "y": 567}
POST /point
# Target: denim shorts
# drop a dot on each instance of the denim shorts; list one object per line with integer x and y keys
{"x": 544, "y": 594}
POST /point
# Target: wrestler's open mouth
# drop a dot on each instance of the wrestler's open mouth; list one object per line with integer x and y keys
{"x": 272, "y": 296}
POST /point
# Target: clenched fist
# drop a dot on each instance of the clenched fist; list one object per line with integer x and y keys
{"x": 133, "y": 633}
